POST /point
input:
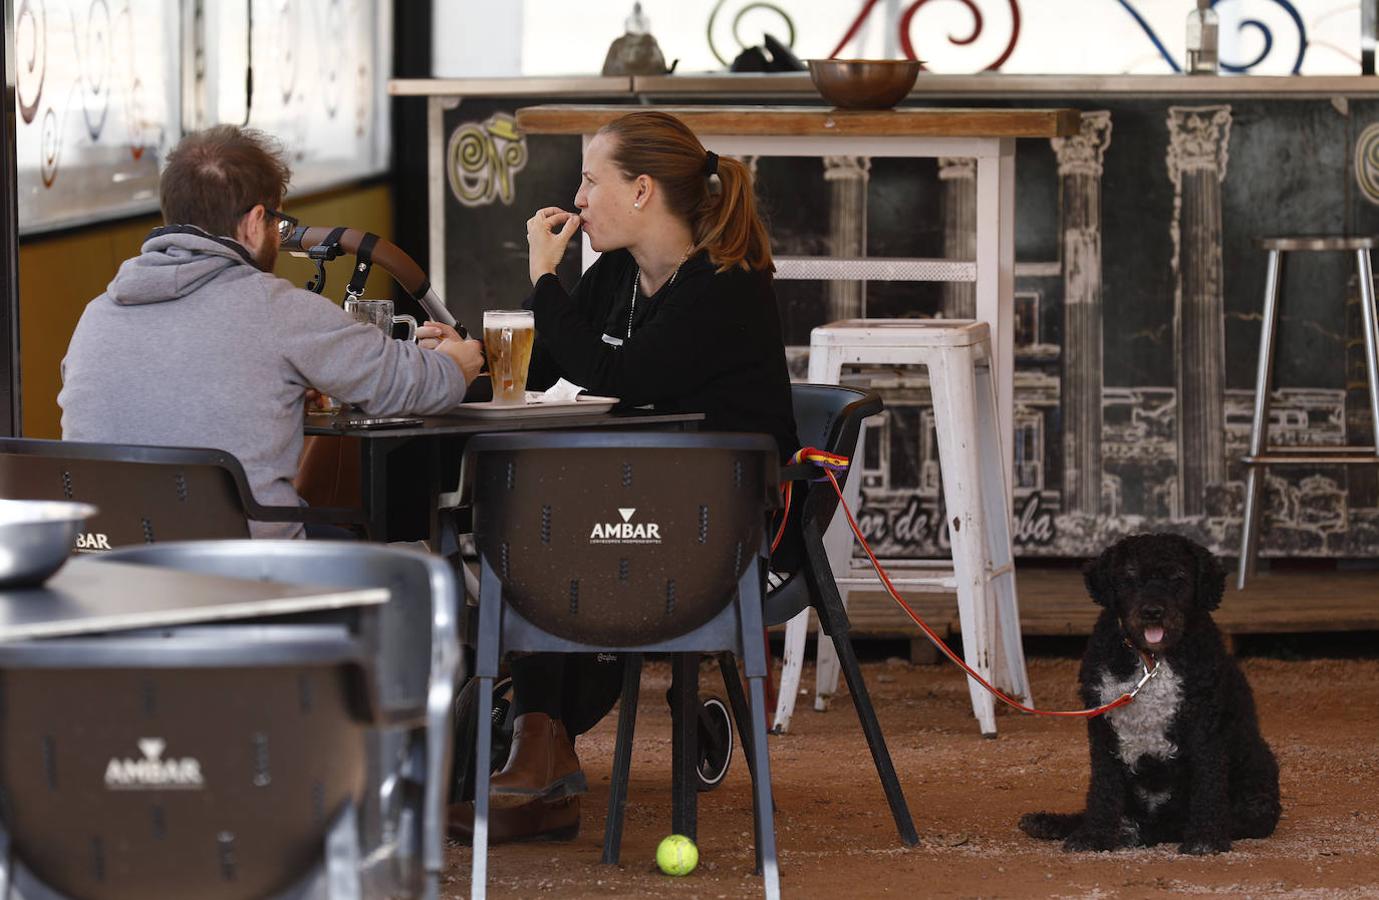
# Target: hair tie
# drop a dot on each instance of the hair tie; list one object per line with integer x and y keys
{"x": 710, "y": 164}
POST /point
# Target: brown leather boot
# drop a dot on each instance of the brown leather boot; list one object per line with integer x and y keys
{"x": 535, "y": 820}
{"x": 542, "y": 763}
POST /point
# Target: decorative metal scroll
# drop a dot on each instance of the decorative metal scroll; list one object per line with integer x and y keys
{"x": 903, "y": 24}
{"x": 1262, "y": 28}
{"x": 738, "y": 16}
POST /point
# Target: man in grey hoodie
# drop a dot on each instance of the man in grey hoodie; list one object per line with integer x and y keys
{"x": 195, "y": 343}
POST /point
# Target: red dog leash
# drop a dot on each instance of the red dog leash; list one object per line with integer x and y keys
{"x": 830, "y": 462}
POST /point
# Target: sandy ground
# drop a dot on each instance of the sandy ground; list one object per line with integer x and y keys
{"x": 837, "y": 840}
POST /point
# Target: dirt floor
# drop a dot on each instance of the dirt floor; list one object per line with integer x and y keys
{"x": 836, "y": 837}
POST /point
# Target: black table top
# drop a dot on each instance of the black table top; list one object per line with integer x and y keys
{"x": 435, "y": 426}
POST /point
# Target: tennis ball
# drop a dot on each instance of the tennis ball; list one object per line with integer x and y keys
{"x": 677, "y": 855}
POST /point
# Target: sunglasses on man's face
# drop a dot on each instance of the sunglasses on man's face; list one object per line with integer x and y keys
{"x": 286, "y": 223}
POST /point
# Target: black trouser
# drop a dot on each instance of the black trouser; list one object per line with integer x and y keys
{"x": 577, "y": 688}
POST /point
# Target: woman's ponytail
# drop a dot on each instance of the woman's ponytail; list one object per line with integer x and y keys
{"x": 728, "y": 225}
{"x": 724, "y": 222}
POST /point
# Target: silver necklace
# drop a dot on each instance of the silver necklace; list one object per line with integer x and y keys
{"x": 637, "y": 283}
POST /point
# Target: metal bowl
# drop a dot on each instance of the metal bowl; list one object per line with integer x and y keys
{"x": 36, "y": 537}
{"x": 864, "y": 83}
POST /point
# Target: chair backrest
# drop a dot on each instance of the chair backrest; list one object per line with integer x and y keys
{"x": 620, "y": 538}
{"x": 200, "y": 762}
{"x": 422, "y": 604}
{"x": 142, "y": 494}
{"x": 410, "y": 646}
{"x": 829, "y": 417}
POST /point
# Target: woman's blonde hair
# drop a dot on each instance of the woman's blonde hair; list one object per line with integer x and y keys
{"x": 723, "y": 222}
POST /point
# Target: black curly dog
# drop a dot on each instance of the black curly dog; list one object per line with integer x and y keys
{"x": 1185, "y": 761}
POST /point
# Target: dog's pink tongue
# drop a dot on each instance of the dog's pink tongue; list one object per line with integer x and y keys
{"x": 1153, "y": 634}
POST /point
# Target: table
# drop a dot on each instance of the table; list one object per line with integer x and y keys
{"x": 436, "y": 445}
{"x": 987, "y": 135}
{"x": 89, "y": 594}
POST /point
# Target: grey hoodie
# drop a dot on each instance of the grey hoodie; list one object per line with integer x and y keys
{"x": 191, "y": 345}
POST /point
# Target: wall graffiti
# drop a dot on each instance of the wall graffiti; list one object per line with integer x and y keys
{"x": 483, "y": 158}
{"x": 1367, "y": 163}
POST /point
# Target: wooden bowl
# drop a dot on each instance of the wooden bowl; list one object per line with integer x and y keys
{"x": 864, "y": 83}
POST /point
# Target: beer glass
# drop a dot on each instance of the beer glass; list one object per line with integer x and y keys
{"x": 379, "y": 313}
{"x": 508, "y": 338}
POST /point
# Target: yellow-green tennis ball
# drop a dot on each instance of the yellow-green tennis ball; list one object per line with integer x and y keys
{"x": 677, "y": 855}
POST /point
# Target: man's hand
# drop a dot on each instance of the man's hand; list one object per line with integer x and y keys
{"x": 468, "y": 355}
{"x": 545, "y": 247}
{"x": 317, "y": 402}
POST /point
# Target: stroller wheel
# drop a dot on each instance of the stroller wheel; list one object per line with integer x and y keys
{"x": 715, "y": 742}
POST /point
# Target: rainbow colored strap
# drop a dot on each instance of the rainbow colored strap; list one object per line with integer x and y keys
{"x": 831, "y": 461}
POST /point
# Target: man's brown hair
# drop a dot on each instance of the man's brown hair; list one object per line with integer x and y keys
{"x": 213, "y": 177}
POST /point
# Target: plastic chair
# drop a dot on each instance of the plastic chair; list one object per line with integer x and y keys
{"x": 389, "y": 670}
{"x": 634, "y": 542}
{"x": 829, "y": 418}
{"x": 147, "y": 494}
{"x": 132, "y": 767}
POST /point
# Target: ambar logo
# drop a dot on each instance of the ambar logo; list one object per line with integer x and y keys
{"x": 626, "y": 531}
{"x": 91, "y": 540}
{"x": 153, "y": 772}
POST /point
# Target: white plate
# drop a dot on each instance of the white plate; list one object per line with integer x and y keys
{"x": 584, "y": 404}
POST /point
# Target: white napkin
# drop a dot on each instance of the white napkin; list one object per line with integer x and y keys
{"x": 560, "y": 392}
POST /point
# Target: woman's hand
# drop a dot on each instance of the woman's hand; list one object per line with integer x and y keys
{"x": 546, "y": 247}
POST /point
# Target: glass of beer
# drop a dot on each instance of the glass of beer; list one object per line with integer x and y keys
{"x": 379, "y": 313}
{"x": 508, "y": 338}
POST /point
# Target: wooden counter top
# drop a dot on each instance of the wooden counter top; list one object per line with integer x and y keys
{"x": 817, "y": 120}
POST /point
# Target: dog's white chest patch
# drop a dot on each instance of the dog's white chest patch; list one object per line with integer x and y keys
{"x": 1141, "y": 727}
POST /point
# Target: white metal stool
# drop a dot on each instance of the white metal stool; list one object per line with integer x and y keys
{"x": 957, "y": 354}
{"x": 1261, "y": 454}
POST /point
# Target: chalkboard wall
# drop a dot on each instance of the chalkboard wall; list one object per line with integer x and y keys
{"x": 1170, "y": 193}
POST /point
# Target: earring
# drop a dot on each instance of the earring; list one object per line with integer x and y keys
{"x": 637, "y": 205}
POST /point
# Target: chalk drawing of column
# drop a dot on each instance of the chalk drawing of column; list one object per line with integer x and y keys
{"x": 847, "y": 226}
{"x": 1362, "y": 482}
{"x": 1079, "y": 182}
{"x": 1199, "y": 141}
{"x": 958, "y": 202}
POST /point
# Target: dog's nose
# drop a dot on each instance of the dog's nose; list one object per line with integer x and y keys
{"x": 1152, "y": 613}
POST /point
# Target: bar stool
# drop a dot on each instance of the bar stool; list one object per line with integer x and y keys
{"x": 957, "y": 354}
{"x": 1262, "y": 455}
